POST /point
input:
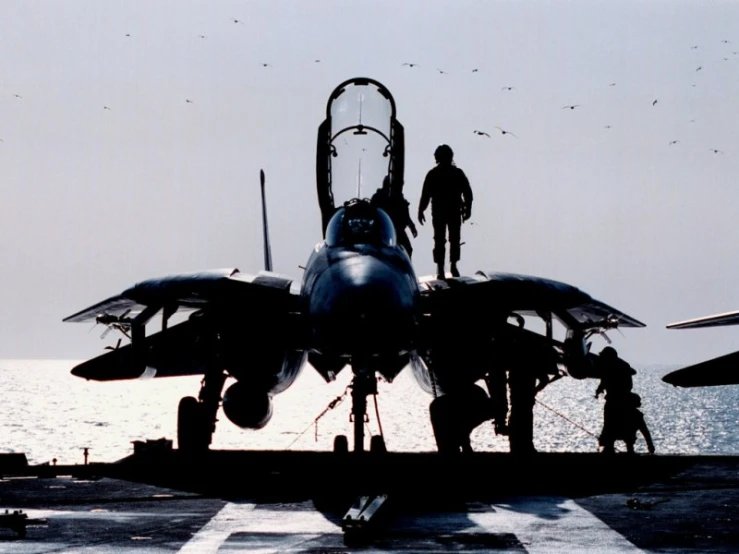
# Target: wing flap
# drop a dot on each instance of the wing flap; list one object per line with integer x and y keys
{"x": 116, "y": 306}
{"x": 717, "y": 320}
{"x": 595, "y": 311}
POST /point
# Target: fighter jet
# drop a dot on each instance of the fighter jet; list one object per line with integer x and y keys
{"x": 359, "y": 304}
{"x": 723, "y": 370}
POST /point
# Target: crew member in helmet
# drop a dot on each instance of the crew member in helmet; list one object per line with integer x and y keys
{"x": 618, "y": 413}
{"x": 390, "y": 198}
{"x": 447, "y": 189}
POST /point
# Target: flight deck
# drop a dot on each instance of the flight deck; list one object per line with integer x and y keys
{"x": 158, "y": 500}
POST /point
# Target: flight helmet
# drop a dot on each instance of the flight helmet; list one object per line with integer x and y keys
{"x": 609, "y": 352}
{"x": 443, "y": 154}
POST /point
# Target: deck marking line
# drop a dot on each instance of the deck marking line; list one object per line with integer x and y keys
{"x": 552, "y": 525}
{"x": 214, "y": 533}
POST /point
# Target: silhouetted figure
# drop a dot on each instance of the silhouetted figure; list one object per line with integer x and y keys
{"x": 634, "y": 423}
{"x": 455, "y": 415}
{"x": 390, "y": 199}
{"x": 496, "y": 381}
{"x": 531, "y": 363}
{"x": 447, "y": 189}
{"x": 522, "y": 385}
{"x": 616, "y": 381}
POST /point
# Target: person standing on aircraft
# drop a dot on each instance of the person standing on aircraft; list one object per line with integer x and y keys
{"x": 448, "y": 190}
{"x": 390, "y": 198}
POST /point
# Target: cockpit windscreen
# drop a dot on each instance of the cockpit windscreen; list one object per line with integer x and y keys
{"x": 360, "y": 141}
{"x": 360, "y": 224}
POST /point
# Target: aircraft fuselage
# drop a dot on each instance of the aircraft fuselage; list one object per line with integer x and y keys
{"x": 361, "y": 299}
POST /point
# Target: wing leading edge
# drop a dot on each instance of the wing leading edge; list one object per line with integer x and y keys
{"x": 192, "y": 291}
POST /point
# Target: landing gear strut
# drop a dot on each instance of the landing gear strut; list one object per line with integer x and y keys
{"x": 196, "y": 418}
{"x": 363, "y": 384}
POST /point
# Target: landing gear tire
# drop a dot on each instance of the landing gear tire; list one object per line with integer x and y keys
{"x": 377, "y": 444}
{"x": 341, "y": 444}
{"x": 355, "y": 538}
{"x": 192, "y": 434}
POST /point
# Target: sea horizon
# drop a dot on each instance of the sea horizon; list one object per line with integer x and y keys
{"x": 49, "y": 414}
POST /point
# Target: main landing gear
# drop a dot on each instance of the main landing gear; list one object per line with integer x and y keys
{"x": 196, "y": 417}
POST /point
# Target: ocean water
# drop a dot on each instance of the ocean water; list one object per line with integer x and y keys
{"x": 47, "y": 413}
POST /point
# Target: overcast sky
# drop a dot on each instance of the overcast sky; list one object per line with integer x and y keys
{"x": 108, "y": 176}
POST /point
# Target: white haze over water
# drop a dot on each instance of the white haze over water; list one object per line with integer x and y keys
{"x": 47, "y": 413}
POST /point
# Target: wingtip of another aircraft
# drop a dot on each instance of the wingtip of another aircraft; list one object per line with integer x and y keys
{"x": 715, "y": 320}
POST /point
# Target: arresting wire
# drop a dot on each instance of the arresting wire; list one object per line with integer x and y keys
{"x": 566, "y": 418}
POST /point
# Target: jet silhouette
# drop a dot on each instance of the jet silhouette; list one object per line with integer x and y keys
{"x": 359, "y": 304}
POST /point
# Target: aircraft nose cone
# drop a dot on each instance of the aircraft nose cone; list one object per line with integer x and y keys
{"x": 363, "y": 305}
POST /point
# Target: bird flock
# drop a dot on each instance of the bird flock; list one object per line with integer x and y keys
{"x": 505, "y": 88}
{"x": 734, "y": 54}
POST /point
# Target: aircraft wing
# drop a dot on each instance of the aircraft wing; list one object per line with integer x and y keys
{"x": 262, "y": 301}
{"x": 192, "y": 291}
{"x": 486, "y": 293}
{"x": 717, "y": 320}
{"x": 723, "y": 370}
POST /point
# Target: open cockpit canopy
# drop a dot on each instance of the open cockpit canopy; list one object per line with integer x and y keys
{"x": 359, "y": 144}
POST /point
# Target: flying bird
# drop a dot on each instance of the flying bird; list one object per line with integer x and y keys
{"x": 504, "y": 132}
{"x": 654, "y": 102}
{"x": 106, "y": 108}
{"x": 316, "y": 61}
{"x": 481, "y": 133}
{"x": 18, "y": 96}
{"x": 441, "y": 71}
{"x": 612, "y": 85}
{"x": 475, "y": 70}
{"x": 410, "y": 64}
{"x": 201, "y": 36}
{"x": 715, "y": 151}
{"x": 506, "y": 88}
{"x": 238, "y": 21}
{"x": 266, "y": 64}
{"x": 694, "y": 47}
{"x": 607, "y": 127}
{"x": 674, "y": 142}
{"x": 572, "y": 107}
{"x": 187, "y": 100}
{"x": 699, "y": 68}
